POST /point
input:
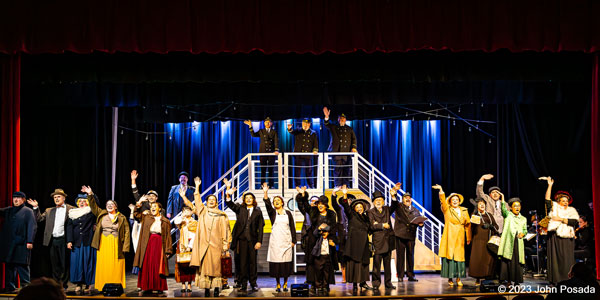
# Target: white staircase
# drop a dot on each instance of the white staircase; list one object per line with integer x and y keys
{"x": 245, "y": 175}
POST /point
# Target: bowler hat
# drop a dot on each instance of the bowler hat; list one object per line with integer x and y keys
{"x": 58, "y": 192}
{"x": 183, "y": 173}
{"x": 377, "y": 194}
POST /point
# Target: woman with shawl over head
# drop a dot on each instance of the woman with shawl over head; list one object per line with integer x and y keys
{"x": 211, "y": 243}
{"x": 457, "y": 227}
{"x": 282, "y": 241}
{"x": 561, "y": 233}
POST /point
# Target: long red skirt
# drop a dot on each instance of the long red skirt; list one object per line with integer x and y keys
{"x": 149, "y": 277}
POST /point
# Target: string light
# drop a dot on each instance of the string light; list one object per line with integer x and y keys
{"x": 166, "y": 111}
{"x": 146, "y": 136}
{"x": 454, "y": 122}
{"x": 469, "y": 128}
{"x": 121, "y": 131}
{"x": 490, "y": 140}
{"x": 170, "y": 138}
{"x": 459, "y": 108}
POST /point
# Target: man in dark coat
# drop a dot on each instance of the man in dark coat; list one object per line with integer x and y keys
{"x": 55, "y": 234}
{"x": 383, "y": 239}
{"x": 269, "y": 143}
{"x": 247, "y": 237}
{"x": 17, "y": 235}
{"x": 174, "y": 201}
{"x": 405, "y": 232}
{"x": 343, "y": 139}
{"x": 305, "y": 140}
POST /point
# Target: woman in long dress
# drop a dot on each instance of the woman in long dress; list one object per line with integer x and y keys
{"x": 80, "y": 231}
{"x": 457, "y": 227}
{"x": 111, "y": 239}
{"x": 357, "y": 250}
{"x": 483, "y": 226}
{"x": 512, "y": 248}
{"x": 154, "y": 246}
{"x": 282, "y": 241}
{"x": 212, "y": 241}
{"x": 561, "y": 234}
{"x": 184, "y": 273}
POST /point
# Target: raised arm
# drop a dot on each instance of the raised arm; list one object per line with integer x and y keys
{"x": 393, "y": 193}
{"x": 270, "y": 210}
{"x": 91, "y": 200}
{"x": 302, "y": 200}
{"x": 134, "y": 189}
{"x": 252, "y": 132}
{"x": 443, "y": 201}
{"x": 479, "y": 189}
{"x": 228, "y": 201}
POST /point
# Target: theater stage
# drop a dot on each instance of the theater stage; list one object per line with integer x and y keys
{"x": 429, "y": 286}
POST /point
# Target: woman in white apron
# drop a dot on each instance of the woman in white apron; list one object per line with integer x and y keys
{"x": 282, "y": 241}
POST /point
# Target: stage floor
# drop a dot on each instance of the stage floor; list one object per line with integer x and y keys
{"x": 429, "y": 284}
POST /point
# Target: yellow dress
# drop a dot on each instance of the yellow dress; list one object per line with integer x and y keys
{"x": 109, "y": 268}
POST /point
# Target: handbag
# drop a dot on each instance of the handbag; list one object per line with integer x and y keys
{"x": 546, "y": 220}
{"x": 184, "y": 257}
{"x": 226, "y": 269}
{"x": 493, "y": 244}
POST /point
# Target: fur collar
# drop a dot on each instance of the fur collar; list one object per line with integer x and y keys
{"x": 75, "y": 213}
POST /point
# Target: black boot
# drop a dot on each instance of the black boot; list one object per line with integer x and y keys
{"x": 207, "y": 293}
{"x": 354, "y": 287}
{"x": 216, "y": 293}
{"x": 365, "y": 286}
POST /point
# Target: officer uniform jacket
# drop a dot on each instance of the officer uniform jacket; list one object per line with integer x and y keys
{"x": 305, "y": 141}
{"x": 269, "y": 142}
{"x": 343, "y": 138}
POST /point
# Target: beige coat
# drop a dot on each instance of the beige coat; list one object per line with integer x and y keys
{"x": 452, "y": 245}
{"x": 213, "y": 237}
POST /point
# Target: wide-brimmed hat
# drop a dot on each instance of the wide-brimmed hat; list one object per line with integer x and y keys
{"x": 366, "y": 204}
{"x": 560, "y": 194}
{"x": 460, "y": 197}
{"x": 19, "y": 194}
{"x": 58, "y": 192}
{"x": 377, "y": 194}
{"x": 183, "y": 173}
{"x": 494, "y": 188}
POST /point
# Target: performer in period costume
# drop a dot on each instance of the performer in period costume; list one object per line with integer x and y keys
{"x": 322, "y": 259}
{"x": 492, "y": 201}
{"x": 320, "y": 217}
{"x": 151, "y": 197}
{"x": 343, "y": 139}
{"x": 282, "y": 241}
{"x": 341, "y": 226}
{"x": 457, "y": 227}
{"x": 54, "y": 234}
{"x": 80, "y": 231}
{"x": 211, "y": 243}
{"x": 561, "y": 233}
{"x": 174, "y": 202}
{"x": 184, "y": 273}
{"x": 269, "y": 143}
{"x": 383, "y": 239}
{"x": 111, "y": 239}
{"x": 305, "y": 140}
{"x": 247, "y": 237}
{"x": 357, "y": 249}
{"x": 18, "y": 233}
{"x": 584, "y": 243}
{"x": 154, "y": 247}
{"x": 483, "y": 225}
{"x": 405, "y": 232}
{"x": 511, "y": 249}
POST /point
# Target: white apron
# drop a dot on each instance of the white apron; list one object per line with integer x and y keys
{"x": 280, "y": 243}
{"x": 135, "y": 234}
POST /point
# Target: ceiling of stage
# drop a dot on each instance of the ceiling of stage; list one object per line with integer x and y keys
{"x": 179, "y": 87}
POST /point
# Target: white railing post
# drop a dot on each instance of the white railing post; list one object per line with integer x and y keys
{"x": 279, "y": 173}
{"x": 250, "y": 172}
{"x": 319, "y": 173}
{"x": 355, "y": 171}
{"x": 326, "y": 170}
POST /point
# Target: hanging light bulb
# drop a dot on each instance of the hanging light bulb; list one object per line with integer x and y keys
{"x": 407, "y": 114}
{"x": 166, "y": 111}
{"x": 469, "y": 128}
{"x": 481, "y": 104}
{"x": 490, "y": 141}
{"x": 390, "y": 122}
{"x": 190, "y": 116}
{"x": 413, "y": 118}
{"x": 146, "y": 136}
{"x": 121, "y": 131}
{"x": 383, "y": 107}
{"x": 454, "y": 122}
{"x": 459, "y": 108}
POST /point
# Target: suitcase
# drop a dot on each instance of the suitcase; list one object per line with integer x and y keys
{"x": 226, "y": 270}
{"x": 299, "y": 290}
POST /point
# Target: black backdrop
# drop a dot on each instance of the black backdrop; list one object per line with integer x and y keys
{"x": 540, "y": 103}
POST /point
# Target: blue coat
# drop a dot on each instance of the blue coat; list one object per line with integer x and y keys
{"x": 175, "y": 203}
{"x": 18, "y": 230}
{"x": 80, "y": 230}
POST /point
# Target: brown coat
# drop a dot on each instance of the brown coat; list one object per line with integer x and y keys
{"x": 124, "y": 236}
{"x": 452, "y": 245}
{"x": 165, "y": 233}
{"x": 211, "y": 240}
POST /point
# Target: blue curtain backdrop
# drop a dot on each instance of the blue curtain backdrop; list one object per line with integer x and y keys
{"x": 405, "y": 151}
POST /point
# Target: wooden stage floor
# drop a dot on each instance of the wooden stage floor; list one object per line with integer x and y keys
{"x": 429, "y": 286}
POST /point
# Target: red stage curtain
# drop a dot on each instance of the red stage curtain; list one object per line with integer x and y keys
{"x": 10, "y": 74}
{"x": 307, "y": 26}
{"x": 596, "y": 157}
